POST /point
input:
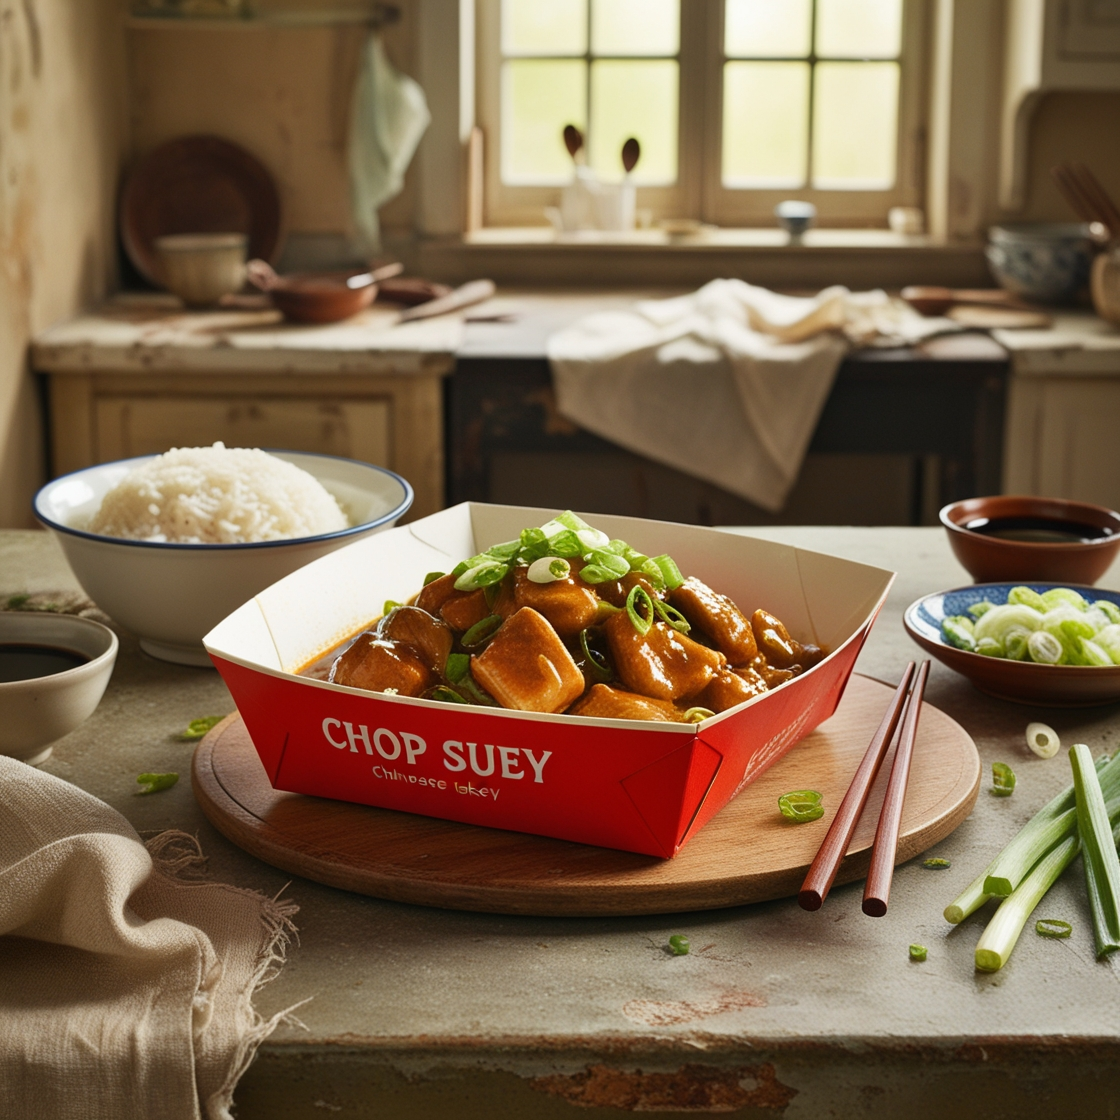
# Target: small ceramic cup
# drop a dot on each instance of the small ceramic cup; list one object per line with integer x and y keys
{"x": 200, "y": 268}
{"x": 41, "y": 710}
{"x": 795, "y": 217}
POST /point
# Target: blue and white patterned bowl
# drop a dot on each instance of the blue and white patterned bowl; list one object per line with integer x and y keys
{"x": 1047, "y": 262}
{"x": 1061, "y": 686}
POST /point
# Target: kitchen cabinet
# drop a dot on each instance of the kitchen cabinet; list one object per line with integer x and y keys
{"x": 1063, "y": 411}
{"x": 363, "y": 390}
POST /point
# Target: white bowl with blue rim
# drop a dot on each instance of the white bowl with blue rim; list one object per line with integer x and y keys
{"x": 170, "y": 595}
{"x": 1047, "y": 262}
{"x": 1024, "y": 682}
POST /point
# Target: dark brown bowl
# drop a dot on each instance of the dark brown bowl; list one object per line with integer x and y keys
{"x": 320, "y": 297}
{"x": 990, "y": 559}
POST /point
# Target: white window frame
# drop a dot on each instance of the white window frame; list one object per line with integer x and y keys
{"x": 699, "y": 192}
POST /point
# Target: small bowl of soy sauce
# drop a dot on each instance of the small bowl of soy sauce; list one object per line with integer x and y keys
{"x": 53, "y": 672}
{"x": 1014, "y": 537}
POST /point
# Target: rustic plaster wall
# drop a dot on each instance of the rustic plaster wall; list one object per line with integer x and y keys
{"x": 283, "y": 94}
{"x": 61, "y": 111}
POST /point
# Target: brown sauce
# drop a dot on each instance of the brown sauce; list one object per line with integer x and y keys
{"x": 24, "y": 661}
{"x": 1037, "y": 530}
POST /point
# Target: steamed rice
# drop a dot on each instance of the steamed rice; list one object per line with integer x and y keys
{"x": 217, "y": 495}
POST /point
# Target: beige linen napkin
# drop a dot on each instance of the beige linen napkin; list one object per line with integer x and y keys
{"x": 125, "y": 985}
{"x": 726, "y": 384}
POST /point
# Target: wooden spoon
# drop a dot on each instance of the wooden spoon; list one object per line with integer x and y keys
{"x": 631, "y": 153}
{"x": 573, "y": 140}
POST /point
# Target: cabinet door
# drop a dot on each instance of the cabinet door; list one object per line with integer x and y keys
{"x": 1062, "y": 439}
{"x": 353, "y": 427}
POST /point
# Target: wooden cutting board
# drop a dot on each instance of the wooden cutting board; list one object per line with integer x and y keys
{"x": 747, "y": 853}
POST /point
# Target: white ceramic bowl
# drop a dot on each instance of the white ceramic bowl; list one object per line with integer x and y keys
{"x": 40, "y": 710}
{"x": 170, "y": 595}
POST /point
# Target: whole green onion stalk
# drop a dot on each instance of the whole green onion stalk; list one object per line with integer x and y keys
{"x": 1102, "y": 867}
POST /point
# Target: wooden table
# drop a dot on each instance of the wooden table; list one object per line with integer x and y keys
{"x": 141, "y": 375}
{"x": 912, "y": 429}
{"x": 421, "y": 1013}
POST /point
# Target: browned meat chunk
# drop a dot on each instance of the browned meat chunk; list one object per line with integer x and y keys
{"x": 379, "y": 664}
{"x": 771, "y": 675}
{"x": 719, "y": 618}
{"x": 464, "y": 609}
{"x": 569, "y": 604}
{"x": 428, "y": 636}
{"x": 604, "y": 702}
{"x": 810, "y": 656}
{"x": 432, "y": 597}
{"x": 660, "y": 663}
{"x": 527, "y": 666}
{"x": 729, "y": 688}
{"x": 774, "y": 642}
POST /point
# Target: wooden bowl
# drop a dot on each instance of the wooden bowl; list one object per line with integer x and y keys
{"x": 990, "y": 558}
{"x": 321, "y": 297}
{"x": 1025, "y": 682}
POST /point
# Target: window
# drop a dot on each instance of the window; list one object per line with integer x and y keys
{"x": 737, "y": 104}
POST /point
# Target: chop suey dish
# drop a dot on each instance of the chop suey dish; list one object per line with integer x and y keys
{"x": 564, "y": 619}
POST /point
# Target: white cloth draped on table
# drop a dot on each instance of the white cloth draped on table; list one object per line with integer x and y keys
{"x": 726, "y": 384}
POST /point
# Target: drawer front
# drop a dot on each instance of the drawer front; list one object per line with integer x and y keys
{"x": 354, "y": 427}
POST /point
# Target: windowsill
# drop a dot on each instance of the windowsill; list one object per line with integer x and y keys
{"x": 859, "y": 258}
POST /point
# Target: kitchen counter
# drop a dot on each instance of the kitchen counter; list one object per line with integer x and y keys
{"x": 417, "y": 1012}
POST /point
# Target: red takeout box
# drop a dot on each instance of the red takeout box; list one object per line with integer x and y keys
{"x": 638, "y": 786}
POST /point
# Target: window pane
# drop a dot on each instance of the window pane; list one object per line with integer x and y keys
{"x": 767, "y": 28}
{"x": 538, "y": 99}
{"x": 649, "y": 27}
{"x": 765, "y": 124}
{"x": 855, "y": 119}
{"x": 634, "y": 99}
{"x": 859, "y": 28}
{"x": 547, "y": 27}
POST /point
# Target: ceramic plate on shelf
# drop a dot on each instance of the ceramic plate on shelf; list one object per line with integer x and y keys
{"x": 1022, "y": 681}
{"x": 198, "y": 184}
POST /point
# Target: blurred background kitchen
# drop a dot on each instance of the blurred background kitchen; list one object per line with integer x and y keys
{"x": 433, "y": 132}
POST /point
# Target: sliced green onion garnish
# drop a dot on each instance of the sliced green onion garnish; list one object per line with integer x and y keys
{"x": 936, "y": 864}
{"x": 431, "y": 577}
{"x": 481, "y": 632}
{"x": 565, "y": 544}
{"x": 571, "y": 521}
{"x": 458, "y": 665}
{"x": 918, "y": 952}
{"x": 507, "y": 550}
{"x": 669, "y": 571}
{"x": 481, "y": 575}
{"x": 652, "y": 572}
{"x": 801, "y": 805}
{"x": 698, "y": 715}
{"x": 957, "y": 631}
{"x": 1102, "y": 867}
{"x": 1003, "y": 780}
{"x": 548, "y": 569}
{"x": 470, "y": 686}
{"x": 390, "y": 605}
{"x": 534, "y": 545}
{"x": 679, "y": 945}
{"x": 596, "y": 573}
{"x": 1052, "y": 927}
{"x": 153, "y": 783}
{"x": 597, "y": 664}
{"x": 197, "y": 728}
{"x": 672, "y": 616}
{"x": 447, "y": 695}
{"x": 639, "y": 595}
{"x": 601, "y": 558}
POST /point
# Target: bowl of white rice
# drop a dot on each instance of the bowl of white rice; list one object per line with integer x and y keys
{"x": 168, "y": 545}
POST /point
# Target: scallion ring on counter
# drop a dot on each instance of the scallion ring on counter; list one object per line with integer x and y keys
{"x": 1043, "y": 740}
{"x": 1052, "y": 927}
{"x": 1003, "y": 780}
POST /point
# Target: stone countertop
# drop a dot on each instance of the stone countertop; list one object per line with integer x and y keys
{"x": 775, "y": 1012}
{"x": 1077, "y": 344}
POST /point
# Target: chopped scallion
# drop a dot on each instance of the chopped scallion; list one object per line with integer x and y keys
{"x": 936, "y": 864}
{"x": 1052, "y": 927}
{"x": 390, "y": 605}
{"x": 1102, "y": 867}
{"x": 801, "y": 805}
{"x": 597, "y": 664}
{"x": 679, "y": 945}
{"x": 698, "y": 715}
{"x": 918, "y": 953}
{"x": 431, "y": 577}
{"x": 153, "y": 783}
{"x": 634, "y": 601}
{"x": 672, "y": 616}
{"x": 458, "y": 665}
{"x": 197, "y": 728}
{"x": 481, "y": 632}
{"x": 1043, "y": 740}
{"x": 1003, "y": 780}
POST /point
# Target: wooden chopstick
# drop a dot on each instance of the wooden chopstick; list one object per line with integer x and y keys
{"x": 822, "y": 871}
{"x": 878, "y": 887}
